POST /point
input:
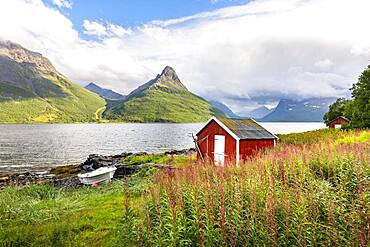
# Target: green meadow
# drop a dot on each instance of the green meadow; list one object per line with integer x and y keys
{"x": 313, "y": 189}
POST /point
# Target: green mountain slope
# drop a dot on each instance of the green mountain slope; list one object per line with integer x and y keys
{"x": 163, "y": 99}
{"x": 32, "y": 90}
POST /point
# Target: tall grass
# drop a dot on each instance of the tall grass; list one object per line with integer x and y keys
{"x": 43, "y": 215}
{"x": 296, "y": 195}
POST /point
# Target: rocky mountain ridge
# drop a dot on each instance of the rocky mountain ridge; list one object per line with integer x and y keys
{"x": 21, "y": 55}
{"x": 105, "y": 93}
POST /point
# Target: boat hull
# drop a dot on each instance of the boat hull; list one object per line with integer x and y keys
{"x": 102, "y": 175}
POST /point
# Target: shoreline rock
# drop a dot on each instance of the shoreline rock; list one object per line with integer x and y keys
{"x": 66, "y": 176}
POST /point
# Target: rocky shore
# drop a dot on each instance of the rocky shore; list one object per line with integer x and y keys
{"x": 66, "y": 176}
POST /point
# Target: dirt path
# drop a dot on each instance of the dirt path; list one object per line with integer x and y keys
{"x": 98, "y": 114}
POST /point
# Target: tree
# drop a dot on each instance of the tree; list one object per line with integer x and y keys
{"x": 361, "y": 101}
{"x": 358, "y": 108}
{"x": 336, "y": 109}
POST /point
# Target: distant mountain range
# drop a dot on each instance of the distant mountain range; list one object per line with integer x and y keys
{"x": 105, "y": 93}
{"x": 309, "y": 110}
{"x": 163, "y": 99}
{"x": 260, "y": 112}
{"x": 224, "y": 108}
{"x": 32, "y": 90}
{"x": 256, "y": 113}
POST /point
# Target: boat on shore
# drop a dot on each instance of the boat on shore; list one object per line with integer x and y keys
{"x": 101, "y": 175}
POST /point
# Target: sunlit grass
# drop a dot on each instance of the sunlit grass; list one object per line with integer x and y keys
{"x": 159, "y": 159}
{"x": 351, "y": 139}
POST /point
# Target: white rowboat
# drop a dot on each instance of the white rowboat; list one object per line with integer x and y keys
{"x": 101, "y": 175}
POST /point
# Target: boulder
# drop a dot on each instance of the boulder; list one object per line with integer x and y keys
{"x": 189, "y": 151}
{"x": 68, "y": 183}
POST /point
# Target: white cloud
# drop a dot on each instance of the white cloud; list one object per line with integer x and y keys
{"x": 118, "y": 31}
{"x": 100, "y": 30}
{"x": 63, "y": 3}
{"x": 94, "y": 28}
{"x": 266, "y": 49}
{"x": 324, "y": 64}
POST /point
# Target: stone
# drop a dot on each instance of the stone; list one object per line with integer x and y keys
{"x": 66, "y": 176}
{"x": 68, "y": 183}
{"x": 181, "y": 152}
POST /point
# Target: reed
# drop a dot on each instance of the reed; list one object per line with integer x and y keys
{"x": 299, "y": 194}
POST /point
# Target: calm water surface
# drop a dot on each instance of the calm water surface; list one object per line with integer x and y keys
{"x": 40, "y": 146}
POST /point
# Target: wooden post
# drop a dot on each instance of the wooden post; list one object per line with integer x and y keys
{"x": 197, "y": 147}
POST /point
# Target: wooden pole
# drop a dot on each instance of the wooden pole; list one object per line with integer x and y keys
{"x": 197, "y": 147}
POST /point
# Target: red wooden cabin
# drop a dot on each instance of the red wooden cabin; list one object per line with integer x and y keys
{"x": 338, "y": 122}
{"x": 227, "y": 140}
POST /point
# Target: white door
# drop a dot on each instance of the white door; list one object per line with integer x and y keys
{"x": 219, "y": 151}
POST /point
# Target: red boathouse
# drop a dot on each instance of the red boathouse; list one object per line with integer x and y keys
{"x": 228, "y": 140}
{"x": 338, "y": 122}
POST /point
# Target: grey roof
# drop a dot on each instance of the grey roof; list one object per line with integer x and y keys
{"x": 342, "y": 117}
{"x": 247, "y": 128}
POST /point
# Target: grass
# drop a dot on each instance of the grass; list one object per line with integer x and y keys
{"x": 162, "y": 159}
{"x": 42, "y": 215}
{"x": 312, "y": 137}
{"x": 302, "y": 193}
{"x": 352, "y": 139}
{"x": 45, "y": 216}
{"x": 45, "y": 118}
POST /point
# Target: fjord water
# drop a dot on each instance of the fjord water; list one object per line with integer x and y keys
{"x": 40, "y": 146}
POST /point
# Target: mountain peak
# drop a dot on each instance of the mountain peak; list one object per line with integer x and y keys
{"x": 21, "y": 55}
{"x": 168, "y": 71}
{"x": 168, "y": 79}
{"x": 92, "y": 85}
{"x": 159, "y": 100}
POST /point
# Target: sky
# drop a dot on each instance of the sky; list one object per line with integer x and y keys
{"x": 242, "y": 53}
{"x": 130, "y": 13}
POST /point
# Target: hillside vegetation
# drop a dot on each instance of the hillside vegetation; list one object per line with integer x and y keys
{"x": 33, "y": 91}
{"x": 162, "y": 106}
{"x": 163, "y": 99}
{"x": 313, "y": 189}
{"x": 79, "y": 106}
